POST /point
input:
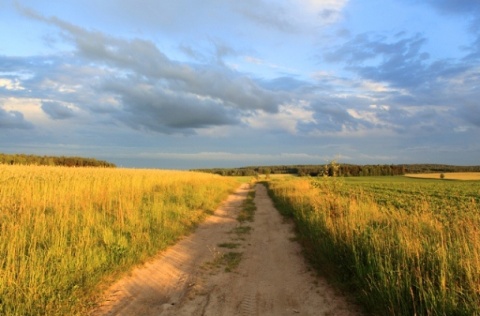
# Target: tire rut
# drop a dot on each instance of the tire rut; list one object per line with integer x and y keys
{"x": 248, "y": 305}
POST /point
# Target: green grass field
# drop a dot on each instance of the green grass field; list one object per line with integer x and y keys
{"x": 405, "y": 246}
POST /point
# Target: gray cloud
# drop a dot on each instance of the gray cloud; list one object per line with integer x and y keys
{"x": 13, "y": 120}
{"x": 470, "y": 111}
{"x": 419, "y": 90}
{"x": 156, "y": 92}
{"x": 57, "y": 111}
{"x": 266, "y": 15}
{"x": 192, "y": 52}
{"x": 284, "y": 83}
{"x": 455, "y": 6}
{"x": 474, "y": 49}
{"x": 399, "y": 62}
{"x": 283, "y": 16}
{"x": 146, "y": 106}
{"x": 127, "y": 95}
{"x": 469, "y": 10}
{"x": 148, "y": 90}
{"x": 331, "y": 115}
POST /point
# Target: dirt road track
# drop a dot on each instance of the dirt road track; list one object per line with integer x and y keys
{"x": 190, "y": 278}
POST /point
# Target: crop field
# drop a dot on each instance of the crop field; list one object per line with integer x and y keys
{"x": 64, "y": 230}
{"x": 405, "y": 246}
{"x": 447, "y": 175}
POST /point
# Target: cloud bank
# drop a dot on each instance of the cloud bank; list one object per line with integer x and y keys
{"x": 252, "y": 84}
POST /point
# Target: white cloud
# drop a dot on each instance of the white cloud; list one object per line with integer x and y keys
{"x": 29, "y": 107}
{"x": 222, "y": 156}
{"x": 320, "y": 11}
{"x": 305, "y": 17}
{"x": 263, "y": 63}
{"x": 233, "y": 156}
{"x": 9, "y": 84}
{"x": 288, "y": 118}
{"x": 369, "y": 85}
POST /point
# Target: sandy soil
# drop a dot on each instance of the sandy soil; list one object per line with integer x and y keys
{"x": 191, "y": 277}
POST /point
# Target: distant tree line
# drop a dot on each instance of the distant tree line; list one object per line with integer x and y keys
{"x": 435, "y": 168}
{"x": 341, "y": 170}
{"x": 22, "y": 159}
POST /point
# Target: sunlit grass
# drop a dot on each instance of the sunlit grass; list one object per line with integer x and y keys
{"x": 407, "y": 247}
{"x": 447, "y": 175}
{"x": 64, "y": 230}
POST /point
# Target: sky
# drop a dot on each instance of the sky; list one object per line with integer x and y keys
{"x": 221, "y": 83}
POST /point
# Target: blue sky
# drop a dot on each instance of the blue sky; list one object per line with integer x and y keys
{"x": 218, "y": 83}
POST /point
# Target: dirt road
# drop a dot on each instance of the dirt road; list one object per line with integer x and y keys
{"x": 228, "y": 268}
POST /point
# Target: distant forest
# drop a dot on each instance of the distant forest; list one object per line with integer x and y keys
{"x": 344, "y": 170}
{"x": 22, "y": 159}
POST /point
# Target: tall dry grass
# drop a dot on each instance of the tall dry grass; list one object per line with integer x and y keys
{"x": 419, "y": 261}
{"x": 64, "y": 230}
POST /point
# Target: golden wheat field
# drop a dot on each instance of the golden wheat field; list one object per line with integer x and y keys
{"x": 64, "y": 230}
{"x": 447, "y": 175}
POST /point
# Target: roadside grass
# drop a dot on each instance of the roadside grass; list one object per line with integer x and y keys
{"x": 228, "y": 260}
{"x": 404, "y": 246}
{"x": 242, "y": 230}
{"x": 247, "y": 212}
{"x": 232, "y": 259}
{"x": 229, "y": 245}
{"x": 65, "y": 231}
